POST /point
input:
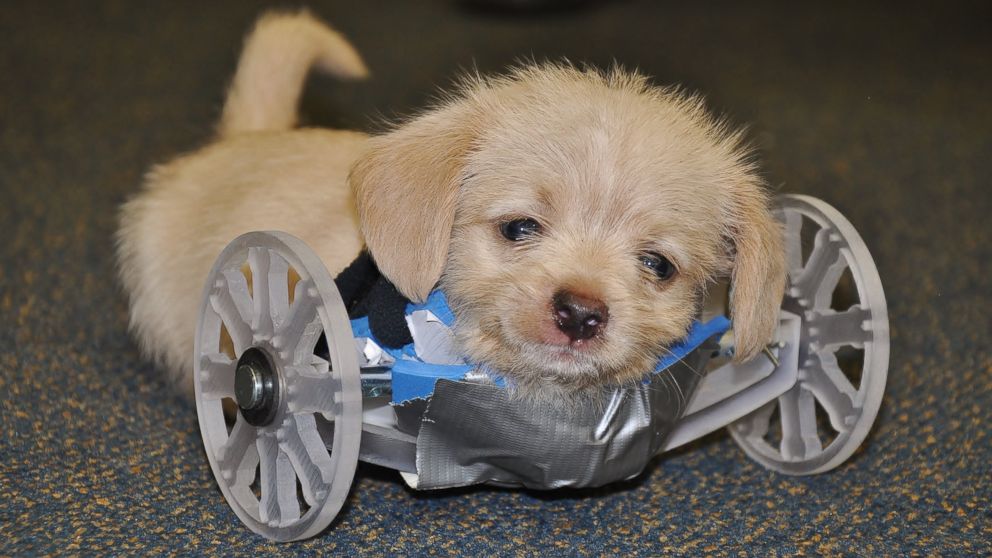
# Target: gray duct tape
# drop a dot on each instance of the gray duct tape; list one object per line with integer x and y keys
{"x": 514, "y": 442}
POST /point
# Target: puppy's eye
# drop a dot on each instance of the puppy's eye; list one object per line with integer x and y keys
{"x": 659, "y": 265}
{"x": 519, "y": 229}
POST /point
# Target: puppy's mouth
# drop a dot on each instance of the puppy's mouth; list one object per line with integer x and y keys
{"x": 550, "y": 335}
{"x": 566, "y": 356}
{"x": 531, "y": 362}
{"x": 536, "y": 350}
{"x": 563, "y": 353}
{"x": 547, "y": 345}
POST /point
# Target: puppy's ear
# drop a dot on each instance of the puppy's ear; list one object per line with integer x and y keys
{"x": 406, "y": 187}
{"x": 758, "y": 277}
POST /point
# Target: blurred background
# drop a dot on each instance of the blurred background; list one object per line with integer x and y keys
{"x": 882, "y": 110}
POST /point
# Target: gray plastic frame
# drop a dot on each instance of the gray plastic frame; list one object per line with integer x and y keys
{"x": 739, "y": 396}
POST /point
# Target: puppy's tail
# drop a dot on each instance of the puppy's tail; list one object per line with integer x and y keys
{"x": 276, "y": 58}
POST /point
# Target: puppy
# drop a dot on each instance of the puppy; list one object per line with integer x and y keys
{"x": 573, "y": 217}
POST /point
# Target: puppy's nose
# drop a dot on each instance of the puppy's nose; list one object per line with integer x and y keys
{"x": 577, "y": 316}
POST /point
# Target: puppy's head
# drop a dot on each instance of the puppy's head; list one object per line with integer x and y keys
{"x": 574, "y": 220}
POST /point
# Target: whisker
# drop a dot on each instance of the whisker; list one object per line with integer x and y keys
{"x": 671, "y": 386}
{"x": 683, "y": 361}
{"x": 674, "y": 383}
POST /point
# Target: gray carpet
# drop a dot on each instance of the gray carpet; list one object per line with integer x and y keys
{"x": 883, "y": 112}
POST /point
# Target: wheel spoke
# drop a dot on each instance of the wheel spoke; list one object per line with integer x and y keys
{"x": 828, "y": 284}
{"x": 246, "y": 470}
{"x": 824, "y": 263}
{"x": 298, "y": 334}
{"x": 311, "y": 388}
{"x": 268, "y": 504}
{"x": 793, "y": 241}
{"x": 833, "y": 390}
{"x": 800, "y": 440}
{"x": 237, "y": 286}
{"x": 756, "y": 424}
{"x": 233, "y": 457}
{"x": 289, "y": 504}
{"x": 216, "y": 376}
{"x": 233, "y": 304}
{"x": 258, "y": 261}
{"x": 278, "y": 288}
{"x": 831, "y": 328}
{"x": 308, "y": 454}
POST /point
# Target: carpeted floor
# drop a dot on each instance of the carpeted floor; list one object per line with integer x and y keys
{"x": 883, "y": 112}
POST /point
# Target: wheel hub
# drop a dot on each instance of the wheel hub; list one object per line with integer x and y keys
{"x": 256, "y": 387}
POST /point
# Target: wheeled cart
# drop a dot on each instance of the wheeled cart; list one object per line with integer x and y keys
{"x": 286, "y": 411}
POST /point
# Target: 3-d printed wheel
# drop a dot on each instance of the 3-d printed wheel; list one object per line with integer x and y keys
{"x": 844, "y": 351}
{"x": 267, "y": 300}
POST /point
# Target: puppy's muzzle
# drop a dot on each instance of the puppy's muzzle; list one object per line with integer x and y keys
{"x": 579, "y": 317}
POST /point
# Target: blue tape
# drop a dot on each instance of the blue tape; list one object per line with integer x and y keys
{"x": 414, "y": 379}
{"x": 697, "y": 335}
{"x": 438, "y": 304}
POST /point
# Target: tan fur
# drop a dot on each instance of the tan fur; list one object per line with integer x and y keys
{"x": 274, "y": 62}
{"x": 610, "y": 166}
{"x": 260, "y": 175}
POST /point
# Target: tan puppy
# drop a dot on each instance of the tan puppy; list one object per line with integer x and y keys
{"x": 573, "y": 217}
